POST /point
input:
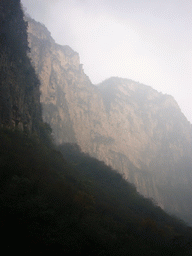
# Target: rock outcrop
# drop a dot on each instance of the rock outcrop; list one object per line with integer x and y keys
{"x": 138, "y": 131}
{"x": 19, "y": 86}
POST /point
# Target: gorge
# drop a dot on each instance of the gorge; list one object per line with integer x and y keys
{"x": 56, "y": 198}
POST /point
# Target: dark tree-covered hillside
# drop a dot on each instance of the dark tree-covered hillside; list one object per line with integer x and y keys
{"x": 77, "y": 206}
{"x": 57, "y": 199}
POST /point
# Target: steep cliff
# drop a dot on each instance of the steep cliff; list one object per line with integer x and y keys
{"x": 19, "y": 85}
{"x": 128, "y": 125}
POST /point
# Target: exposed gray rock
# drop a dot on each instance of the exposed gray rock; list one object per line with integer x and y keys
{"x": 138, "y": 131}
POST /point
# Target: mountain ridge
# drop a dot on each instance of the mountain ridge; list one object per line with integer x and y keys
{"x": 57, "y": 199}
{"x": 131, "y": 127}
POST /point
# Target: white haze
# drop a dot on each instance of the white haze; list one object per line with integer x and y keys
{"x": 147, "y": 41}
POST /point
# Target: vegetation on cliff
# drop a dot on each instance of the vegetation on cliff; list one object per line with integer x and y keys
{"x": 19, "y": 85}
{"x": 77, "y": 206}
{"x": 130, "y": 126}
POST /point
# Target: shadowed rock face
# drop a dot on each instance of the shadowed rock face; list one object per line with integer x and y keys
{"x": 128, "y": 125}
{"x": 19, "y": 86}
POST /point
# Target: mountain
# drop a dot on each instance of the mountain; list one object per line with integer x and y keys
{"x": 130, "y": 126}
{"x": 75, "y": 205}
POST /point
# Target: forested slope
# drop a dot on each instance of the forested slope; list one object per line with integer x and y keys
{"x": 79, "y": 206}
{"x": 60, "y": 200}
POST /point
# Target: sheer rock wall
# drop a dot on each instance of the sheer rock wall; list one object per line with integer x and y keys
{"x": 138, "y": 131}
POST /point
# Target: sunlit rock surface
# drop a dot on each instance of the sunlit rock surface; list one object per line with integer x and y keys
{"x": 138, "y": 131}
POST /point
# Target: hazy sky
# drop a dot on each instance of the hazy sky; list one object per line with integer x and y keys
{"x": 148, "y": 41}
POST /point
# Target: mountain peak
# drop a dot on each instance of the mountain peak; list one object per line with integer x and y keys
{"x": 130, "y": 126}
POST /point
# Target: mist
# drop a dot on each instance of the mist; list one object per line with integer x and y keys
{"x": 149, "y": 42}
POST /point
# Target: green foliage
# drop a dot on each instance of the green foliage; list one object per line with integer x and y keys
{"x": 65, "y": 202}
{"x": 79, "y": 206}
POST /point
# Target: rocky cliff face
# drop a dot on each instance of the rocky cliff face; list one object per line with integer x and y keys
{"x": 19, "y": 86}
{"x": 130, "y": 126}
